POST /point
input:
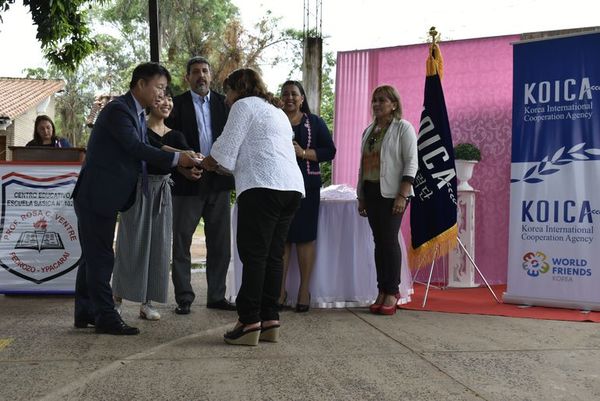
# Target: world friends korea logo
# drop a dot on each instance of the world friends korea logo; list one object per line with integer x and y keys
{"x": 535, "y": 263}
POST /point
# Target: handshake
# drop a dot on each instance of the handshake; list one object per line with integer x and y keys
{"x": 190, "y": 159}
{"x": 190, "y": 165}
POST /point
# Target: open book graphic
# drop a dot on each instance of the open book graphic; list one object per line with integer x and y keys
{"x": 39, "y": 240}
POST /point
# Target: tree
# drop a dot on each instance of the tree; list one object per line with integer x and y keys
{"x": 210, "y": 28}
{"x": 62, "y": 28}
{"x": 189, "y": 27}
{"x": 99, "y": 73}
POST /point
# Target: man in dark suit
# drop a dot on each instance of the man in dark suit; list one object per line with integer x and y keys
{"x": 116, "y": 155}
{"x": 201, "y": 115}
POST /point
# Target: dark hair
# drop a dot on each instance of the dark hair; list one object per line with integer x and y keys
{"x": 392, "y": 94}
{"x": 168, "y": 92}
{"x": 147, "y": 71}
{"x": 37, "y": 139}
{"x": 304, "y": 107}
{"x": 247, "y": 82}
{"x": 196, "y": 60}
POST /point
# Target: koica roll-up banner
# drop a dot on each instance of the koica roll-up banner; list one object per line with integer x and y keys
{"x": 554, "y": 245}
{"x": 39, "y": 241}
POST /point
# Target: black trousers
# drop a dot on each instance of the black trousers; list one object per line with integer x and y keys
{"x": 385, "y": 227}
{"x": 93, "y": 294}
{"x": 264, "y": 217}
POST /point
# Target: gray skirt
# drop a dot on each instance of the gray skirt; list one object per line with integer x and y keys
{"x": 143, "y": 250}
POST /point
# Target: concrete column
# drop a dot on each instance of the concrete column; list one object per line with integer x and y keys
{"x": 312, "y": 72}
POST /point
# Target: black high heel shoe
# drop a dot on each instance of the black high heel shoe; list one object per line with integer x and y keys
{"x": 239, "y": 336}
{"x": 301, "y": 308}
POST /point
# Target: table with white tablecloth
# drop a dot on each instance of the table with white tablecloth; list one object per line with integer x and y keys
{"x": 344, "y": 272}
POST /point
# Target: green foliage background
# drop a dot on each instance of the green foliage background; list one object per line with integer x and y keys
{"x": 93, "y": 63}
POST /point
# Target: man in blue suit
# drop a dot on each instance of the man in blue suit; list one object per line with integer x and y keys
{"x": 116, "y": 155}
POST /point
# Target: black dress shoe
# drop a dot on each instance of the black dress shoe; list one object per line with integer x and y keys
{"x": 82, "y": 323}
{"x": 117, "y": 328}
{"x": 222, "y": 304}
{"x": 183, "y": 309}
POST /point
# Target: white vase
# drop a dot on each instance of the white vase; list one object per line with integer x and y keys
{"x": 464, "y": 172}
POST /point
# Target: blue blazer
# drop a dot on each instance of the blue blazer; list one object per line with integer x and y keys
{"x": 109, "y": 176}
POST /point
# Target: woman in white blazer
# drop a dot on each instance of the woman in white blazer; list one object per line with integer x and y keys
{"x": 387, "y": 169}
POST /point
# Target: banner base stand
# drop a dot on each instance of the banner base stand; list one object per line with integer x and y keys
{"x": 472, "y": 262}
{"x": 583, "y": 306}
{"x": 428, "y": 283}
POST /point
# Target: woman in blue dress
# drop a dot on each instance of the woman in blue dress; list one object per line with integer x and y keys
{"x": 313, "y": 144}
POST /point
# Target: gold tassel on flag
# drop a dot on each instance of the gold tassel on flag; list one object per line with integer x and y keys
{"x": 435, "y": 248}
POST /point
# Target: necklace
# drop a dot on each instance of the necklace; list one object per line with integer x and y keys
{"x": 161, "y": 130}
{"x": 376, "y": 136}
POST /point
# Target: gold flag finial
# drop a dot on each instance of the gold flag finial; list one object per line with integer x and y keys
{"x": 435, "y": 64}
{"x": 435, "y": 35}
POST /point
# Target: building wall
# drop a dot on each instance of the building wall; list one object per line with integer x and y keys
{"x": 6, "y": 134}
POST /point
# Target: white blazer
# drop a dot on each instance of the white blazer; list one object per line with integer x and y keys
{"x": 398, "y": 158}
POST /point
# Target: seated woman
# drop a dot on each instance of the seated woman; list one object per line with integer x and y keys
{"x": 44, "y": 134}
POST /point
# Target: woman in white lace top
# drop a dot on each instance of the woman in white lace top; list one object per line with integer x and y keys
{"x": 256, "y": 147}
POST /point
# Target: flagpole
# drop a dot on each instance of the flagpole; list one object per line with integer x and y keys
{"x": 430, "y": 274}
{"x": 416, "y": 274}
{"x": 439, "y": 125}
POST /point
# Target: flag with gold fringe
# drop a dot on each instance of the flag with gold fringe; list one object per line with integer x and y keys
{"x": 433, "y": 210}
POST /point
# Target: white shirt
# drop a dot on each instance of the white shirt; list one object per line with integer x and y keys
{"x": 256, "y": 145}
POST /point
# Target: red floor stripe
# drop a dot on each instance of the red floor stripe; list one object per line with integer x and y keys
{"x": 479, "y": 301}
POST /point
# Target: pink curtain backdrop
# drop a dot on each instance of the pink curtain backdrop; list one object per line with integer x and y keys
{"x": 477, "y": 86}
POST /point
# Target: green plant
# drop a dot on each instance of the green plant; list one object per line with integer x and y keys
{"x": 467, "y": 151}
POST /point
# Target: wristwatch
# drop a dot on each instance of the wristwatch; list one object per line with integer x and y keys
{"x": 406, "y": 198}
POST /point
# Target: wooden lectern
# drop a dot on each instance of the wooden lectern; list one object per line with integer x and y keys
{"x": 47, "y": 154}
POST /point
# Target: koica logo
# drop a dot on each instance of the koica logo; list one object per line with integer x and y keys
{"x": 38, "y": 230}
{"x": 567, "y": 90}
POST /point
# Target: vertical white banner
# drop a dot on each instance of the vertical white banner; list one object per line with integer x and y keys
{"x": 554, "y": 245}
